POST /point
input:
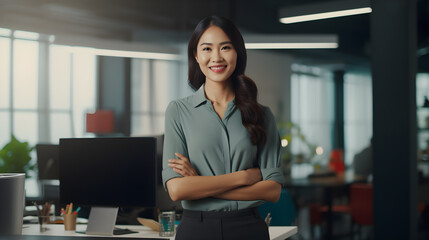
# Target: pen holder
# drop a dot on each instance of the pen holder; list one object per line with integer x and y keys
{"x": 43, "y": 220}
{"x": 70, "y": 222}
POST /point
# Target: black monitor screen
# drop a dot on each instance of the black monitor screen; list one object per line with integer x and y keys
{"x": 47, "y": 161}
{"x": 108, "y": 171}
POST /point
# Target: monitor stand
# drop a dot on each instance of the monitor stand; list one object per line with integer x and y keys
{"x": 102, "y": 220}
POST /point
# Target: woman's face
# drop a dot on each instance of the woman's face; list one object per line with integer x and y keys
{"x": 216, "y": 55}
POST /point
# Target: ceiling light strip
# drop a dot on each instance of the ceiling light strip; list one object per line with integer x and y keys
{"x": 291, "y": 45}
{"x": 133, "y": 54}
{"x": 318, "y": 16}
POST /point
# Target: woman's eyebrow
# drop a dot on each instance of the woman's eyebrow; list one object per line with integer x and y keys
{"x": 226, "y": 42}
{"x": 222, "y": 43}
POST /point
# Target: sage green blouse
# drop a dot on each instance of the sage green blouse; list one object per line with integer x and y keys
{"x": 217, "y": 146}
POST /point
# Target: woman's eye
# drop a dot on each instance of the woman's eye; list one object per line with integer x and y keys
{"x": 226, "y": 47}
{"x": 206, "y": 49}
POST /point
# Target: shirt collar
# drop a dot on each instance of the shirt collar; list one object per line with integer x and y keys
{"x": 199, "y": 97}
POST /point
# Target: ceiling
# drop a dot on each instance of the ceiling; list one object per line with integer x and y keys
{"x": 173, "y": 20}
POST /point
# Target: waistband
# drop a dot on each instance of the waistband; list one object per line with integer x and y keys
{"x": 221, "y": 215}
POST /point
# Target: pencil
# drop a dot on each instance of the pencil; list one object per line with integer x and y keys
{"x": 45, "y": 209}
{"x": 37, "y": 207}
{"x": 48, "y": 210}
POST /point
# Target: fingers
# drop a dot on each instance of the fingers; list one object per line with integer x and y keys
{"x": 177, "y": 163}
{"x": 179, "y": 171}
{"x": 182, "y": 166}
{"x": 180, "y": 163}
{"x": 180, "y": 156}
{"x": 184, "y": 170}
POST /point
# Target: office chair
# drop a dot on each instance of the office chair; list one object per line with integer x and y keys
{"x": 361, "y": 205}
{"x": 360, "y": 208}
{"x": 283, "y": 212}
{"x": 317, "y": 212}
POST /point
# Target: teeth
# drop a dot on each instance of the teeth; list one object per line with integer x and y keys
{"x": 217, "y": 68}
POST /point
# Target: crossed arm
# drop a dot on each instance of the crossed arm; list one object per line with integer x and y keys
{"x": 242, "y": 185}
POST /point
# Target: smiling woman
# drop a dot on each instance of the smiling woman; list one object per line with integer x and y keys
{"x": 221, "y": 147}
{"x": 216, "y": 55}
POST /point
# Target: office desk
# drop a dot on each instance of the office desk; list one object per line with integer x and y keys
{"x": 276, "y": 233}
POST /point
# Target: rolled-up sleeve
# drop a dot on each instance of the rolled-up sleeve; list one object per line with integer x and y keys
{"x": 269, "y": 154}
{"x": 174, "y": 141}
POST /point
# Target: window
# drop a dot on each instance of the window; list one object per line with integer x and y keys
{"x": 313, "y": 109}
{"x": 5, "y": 114}
{"x": 422, "y": 92}
{"x": 59, "y": 119}
{"x": 19, "y": 74}
{"x": 151, "y": 92}
{"x": 357, "y": 114}
{"x": 72, "y": 90}
{"x": 312, "y": 100}
{"x": 45, "y": 89}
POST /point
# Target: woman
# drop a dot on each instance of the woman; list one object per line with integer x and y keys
{"x": 221, "y": 149}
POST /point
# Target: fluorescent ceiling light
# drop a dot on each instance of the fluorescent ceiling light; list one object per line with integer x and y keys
{"x": 103, "y": 47}
{"x": 324, "y": 10}
{"x": 317, "y": 16}
{"x": 290, "y": 45}
{"x": 134, "y": 54}
{"x": 120, "y": 53}
{"x": 291, "y": 41}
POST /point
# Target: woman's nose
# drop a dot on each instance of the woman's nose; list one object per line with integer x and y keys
{"x": 217, "y": 56}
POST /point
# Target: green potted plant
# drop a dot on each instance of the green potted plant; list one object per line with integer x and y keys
{"x": 291, "y": 131}
{"x": 15, "y": 157}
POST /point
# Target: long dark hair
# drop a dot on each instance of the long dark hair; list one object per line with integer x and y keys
{"x": 245, "y": 88}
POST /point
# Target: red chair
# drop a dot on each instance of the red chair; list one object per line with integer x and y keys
{"x": 317, "y": 212}
{"x": 360, "y": 208}
{"x": 361, "y": 205}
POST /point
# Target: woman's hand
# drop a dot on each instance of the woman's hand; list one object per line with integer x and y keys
{"x": 182, "y": 166}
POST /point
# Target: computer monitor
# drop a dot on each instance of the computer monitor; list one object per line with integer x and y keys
{"x": 47, "y": 161}
{"x": 107, "y": 173}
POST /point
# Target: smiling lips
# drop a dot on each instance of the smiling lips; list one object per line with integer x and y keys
{"x": 218, "y": 68}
